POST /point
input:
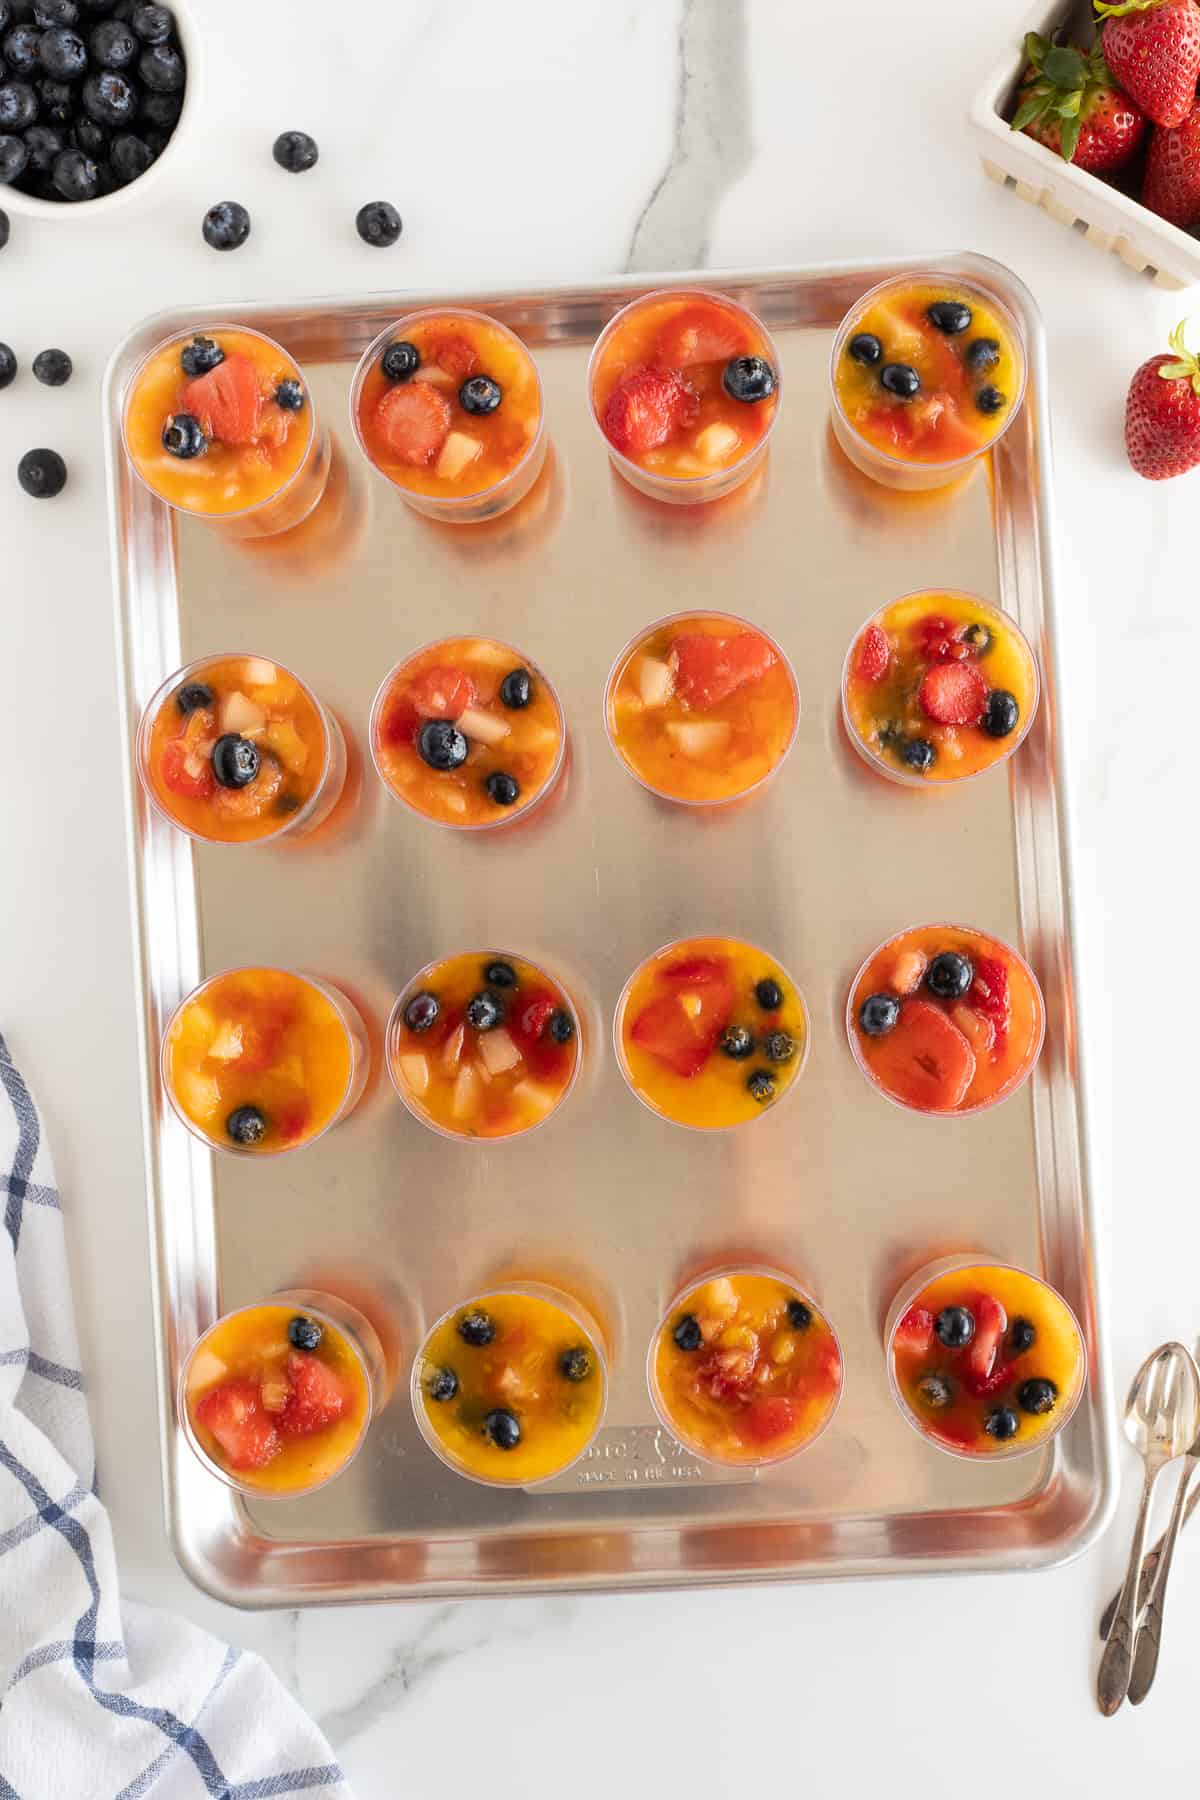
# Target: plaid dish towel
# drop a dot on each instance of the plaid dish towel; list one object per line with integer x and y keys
{"x": 99, "y": 1700}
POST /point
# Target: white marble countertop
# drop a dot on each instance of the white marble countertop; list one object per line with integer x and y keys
{"x": 526, "y": 143}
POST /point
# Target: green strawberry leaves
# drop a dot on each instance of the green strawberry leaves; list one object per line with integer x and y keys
{"x": 1066, "y": 83}
{"x": 1188, "y": 366}
{"x": 1123, "y": 7}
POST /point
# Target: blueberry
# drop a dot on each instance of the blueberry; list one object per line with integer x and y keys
{"x": 161, "y": 110}
{"x": 982, "y": 353}
{"x": 979, "y": 638}
{"x": 62, "y": 54}
{"x": 422, "y": 1011}
{"x": 780, "y": 1047}
{"x": 182, "y": 436}
{"x": 192, "y": 696}
{"x": 576, "y": 1364}
{"x": 400, "y": 361}
{"x": 50, "y": 14}
{"x": 935, "y": 1390}
{"x": 246, "y": 1125}
{"x": 13, "y": 157}
{"x": 90, "y": 137}
{"x": 42, "y": 473}
{"x": 748, "y": 379}
{"x": 442, "y": 1385}
{"x": 304, "y": 1334}
{"x": 503, "y": 789}
{"x": 3, "y": 222}
{"x": 20, "y": 49}
{"x": 484, "y": 1011}
{"x": 45, "y": 144}
{"x": 130, "y": 157}
{"x": 160, "y": 67}
{"x": 441, "y": 744}
{"x": 153, "y": 24}
{"x": 479, "y": 394}
{"x": 990, "y": 400}
{"x": 295, "y": 151}
{"x": 476, "y": 1328}
{"x": 290, "y": 396}
{"x": 955, "y": 1327}
{"x": 761, "y": 1086}
{"x": 201, "y": 356}
{"x": 1001, "y": 713}
{"x": 378, "y": 223}
{"x": 1022, "y": 1336}
{"x": 949, "y": 316}
{"x": 52, "y": 368}
{"x": 769, "y": 994}
{"x": 110, "y": 98}
{"x": 1002, "y": 1423}
{"x": 226, "y": 225}
{"x": 235, "y": 760}
{"x": 864, "y": 347}
{"x": 878, "y": 1014}
{"x": 18, "y": 105}
{"x": 737, "y": 1042}
{"x": 900, "y": 379}
{"x": 799, "y": 1315}
{"x": 56, "y": 102}
{"x": 561, "y": 1026}
{"x": 1037, "y": 1395}
{"x": 949, "y": 975}
{"x": 919, "y": 754}
{"x": 687, "y": 1333}
{"x": 500, "y": 975}
{"x": 76, "y": 176}
{"x": 516, "y": 690}
{"x": 502, "y": 1428}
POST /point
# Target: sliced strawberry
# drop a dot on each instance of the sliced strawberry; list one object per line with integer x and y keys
{"x": 829, "y": 1362}
{"x": 187, "y": 770}
{"x": 872, "y": 655}
{"x": 983, "y": 1386}
{"x": 527, "y": 1027}
{"x": 699, "y": 334}
{"x": 914, "y": 1333}
{"x": 727, "y": 1374}
{"x": 710, "y": 669}
{"x": 452, "y": 352}
{"x": 235, "y": 1416}
{"x": 953, "y": 693}
{"x": 768, "y": 1417}
{"x": 925, "y": 1059}
{"x": 697, "y": 971}
{"x": 991, "y": 1323}
{"x": 952, "y": 1431}
{"x": 979, "y": 1032}
{"x": 226, "y": 401}
{"x": 401, "y": 722}
{"x": 317, "y": 1398}
{"x": 990, "y": 996}
{"x": 937, "y": 640}
{"x": 415, "y": 422}
{"x": 645, "y": 409}
{"x": 683, "y": 1040}
{"x": 442, "y": 693}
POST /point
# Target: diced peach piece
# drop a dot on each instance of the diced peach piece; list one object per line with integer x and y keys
{"x": 458, "y": 453}
{"x": 259, "y": 672}
{"x": 227, "y": 1045}
{"x": 415, "y": 1069}
{"x": 533, "y": 738}
{"x": 908, "y": 971}
{"x": 282, "y": 737}
{"x": 455, "y": 801}
{"x": 485, "y": 728}
{"x": 699, "y": 737}
{"x": 199, "y": 1095}
{"x": 197, "y": 1025}
{"x": 438, "y": 376}
{"x": 715, "y": 1304}
{"x": 535, "y": 1098}
{"x": 466, "y": 1092}
{"x": 495, "y": 656}
{"x": 783, "y": 1347}
{"x": 275, "y": 1392}
{"x": 452, "y": 1049}
{"x": 979, "y": 1032}
{"x": 692, "y": 1004}
{"x": 498, "y": 1051}
{"x": 241, "y": 714}
{"x": 206, "y": 1370}
{"x": 656, "y": 681}
{"x": 716, "y": 443}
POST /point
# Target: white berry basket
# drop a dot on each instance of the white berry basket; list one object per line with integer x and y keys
{"x": 1106, "y": 217}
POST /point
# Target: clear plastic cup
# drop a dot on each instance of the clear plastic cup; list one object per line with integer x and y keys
{"x": 364, "y": 1353}
{"x": 469, "y": 506}
{"x": 581, "y": 1321}
{"x": 279, "y": 506}
{"x": 1066, "y": 1326}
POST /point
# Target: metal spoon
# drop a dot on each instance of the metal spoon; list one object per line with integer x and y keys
{"x": 1149, "y": 1635}
{"x": 1161, "y": 1417}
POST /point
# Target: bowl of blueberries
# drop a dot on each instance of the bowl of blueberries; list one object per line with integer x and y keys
{"x": 94, "y": 95}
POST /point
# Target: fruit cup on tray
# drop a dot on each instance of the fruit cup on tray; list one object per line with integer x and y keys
{"x": 276, "y": 1398}
{"x": 710, "y": 1032}
{"x": 221, "y": 425}
{"x": 509, "y": 1389}
{"x": 235, "y": 750}
{"x": 447, "y": 404}
{"x": 468, "y": 732}
{"x": 701, "y": 708}
{"x": 943, "y": 1019}
{"x": 260, "y": 1060}
{"x": 927, "y": 374}
{"x": 684, "y": 387}
{"x": 984, "y": 1359}
{"x": 745, "y": 1369}
{"x": 483, "y": 1045}
{"x": 938, "y": 686}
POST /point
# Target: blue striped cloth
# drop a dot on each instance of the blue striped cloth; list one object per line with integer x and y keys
{"x": 101, "y": 1700}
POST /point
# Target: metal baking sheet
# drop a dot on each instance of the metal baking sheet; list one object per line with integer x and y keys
{"x": 830, "y": 859}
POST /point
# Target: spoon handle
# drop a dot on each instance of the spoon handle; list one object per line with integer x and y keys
{"x": 1116, "y": 1665}
{"x": 1149, "y": 1570}
{"x": 1145, "y": 1647}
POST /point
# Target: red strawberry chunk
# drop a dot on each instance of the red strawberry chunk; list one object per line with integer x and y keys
{"x": 187, "y": 770}
{"x": 696, "y": 971}
{"x": 991, "y": 1323}
{"x": 953, "y": 693}
{"x": 727, "y": 1374}
{"x": 226, "y": 401}
{"x": 938, "y": 640}
{"x": 234, "y": 1414}
{"x": 682, "y": 1039}
{"x": 925, "y": 1059}
{"x": 872, "y": 655}
{"x": 645, "y": 409}
{"x": 990, "y": 996}
{"x": 984, "y": 1386}
{"x": 401, "y": 722}
{"x": 527, "y": 1027}
{"x": 451, "y": 351}
{"x": 415, "y": 421}
{"x": 914, "y": 1333}
{"x": 710, "y": 669}
{"x": 768, "y": 1417}
{"x": 699, "y": 334}
{"x": 317, "y": 1398}
{"x": 441, "y": 693}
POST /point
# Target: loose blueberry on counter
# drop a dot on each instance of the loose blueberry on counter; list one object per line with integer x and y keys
{"x": 44, "y": 144}
{"x": 516, "y": 690}
{"x": 769, "y": 994}
{"x": 990, "y": 400}
{"x": 442, "y": 1385}
{"x": 20, "y": 49}
{"x": 480, "y": 395}
{"x": 979, "y": 638}
{"x": 561, "y": 1026}
{"x": 290, "y": 395}
{"x": 919, "y": 754}
{"x": 13, "y": 157}
{"x": 982, "y": 353}
{"x": 52, "y": 368}
{"x": 955, "y": 1327}
{"x": 63, "y": 54}
{"x": 1001, "y": 713}
{"x": 76, "y": 176}
{"x": 192, "y": 696}
{"x": 161, "y": 69}
{"x": 949, "y": 316}
{"x": 737, "y": 1042}
{"x": 42, "y": 473}
{"x": 484, "y": 1011}
{"x": 422, "y": 1011}
{"x": 442, "y": 745}
{"x": 153, "y": 24}
{"x": 935, "y": 1390}
{"x": 749, "y": 379}
{"x": 8, "y": 365}
{"x": 1037, "y": 1395}
{"x": 131, "y": 156}
{"x": 949, "y": 975}
{"x": 500, "y": 975}
{"x": 878, "y": 1014}
{"x": 183, "y": 437}
{"x": 476, "y": 1328}
{"x": 1002, "y": 1424}
{"x": 235, "y": 760}
{"x": 295, "y": 151}
{"x": 900, "y": 379}
{"x": 201, "y": 356}
{"x": 503, "y": 788}
{"x": 502, "y": 1428}
{"x": 1022, "y": 1336}
{"x": 110, "y": 98}
{"x": 761, "y": 1086}
{"x": 246, "y": 1125}
{"x": 799, "y": 1315}
{"x": 780, "y": 1047}
{"x": 226, "y": 225}
{"x": 112, "y": 44}
{"x": 864, "y": 347}
{"x": 687, "y": 1334}
{"x": 378, "y": 224}
{"x": 304, "y": 1334}
{"x": 18, "y": 105}
{"x": 575, "y": 1365}
{"x": 400, "y": 361}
